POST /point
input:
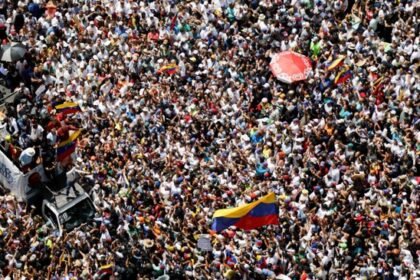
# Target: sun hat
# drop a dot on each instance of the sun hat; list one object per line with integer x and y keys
{"x": 148, "y": 243}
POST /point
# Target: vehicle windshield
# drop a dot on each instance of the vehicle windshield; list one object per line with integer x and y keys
{"x": 77, "y": 215}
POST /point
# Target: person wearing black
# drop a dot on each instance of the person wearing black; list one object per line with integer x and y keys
{"x": 19, "y": 20}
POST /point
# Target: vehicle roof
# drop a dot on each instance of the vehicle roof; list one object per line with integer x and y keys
{"x": 62, "y": 201}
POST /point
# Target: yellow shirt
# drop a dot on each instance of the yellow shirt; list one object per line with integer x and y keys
{"x": 267, "y": 153}
{"x": 229, "y": 274}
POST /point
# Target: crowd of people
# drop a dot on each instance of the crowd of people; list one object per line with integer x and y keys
{"x": 181, "y": 116}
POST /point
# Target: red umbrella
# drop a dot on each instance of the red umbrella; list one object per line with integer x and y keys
{"x": 290, "y": 67}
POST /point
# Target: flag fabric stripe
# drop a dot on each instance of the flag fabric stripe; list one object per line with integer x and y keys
{"x": 221, "y": 223}
{"x": 70, "y": 140}
{"x": 256, "y": 214}
{"x": 105, "y": 270}
{"x": 106, "y": 266}
{"x": 66, "y": 151}
{"x": 68, "y": 108}
{"x": 337, "y": 77}
{"x": 170, "y": 69}
{"x": 173, "y": 22}
{"x": 263, "y": 209}
{"x": 378, "y": 81}
{"x": 66, "y": 105}
{"x": 249, "y": 223}
{"x": 378, "y": 84}
{"x": 336, "y": 63}
{"x": 241, "y": 211}
{"x": 65, "y": 148}
{"x": 68, "y": 111}
{"x": 343, "y": 76}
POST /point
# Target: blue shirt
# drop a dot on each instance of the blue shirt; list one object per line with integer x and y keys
{"x": 256, "y": 138}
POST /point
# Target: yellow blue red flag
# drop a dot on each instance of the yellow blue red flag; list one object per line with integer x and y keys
{"x": 169, "y": 68}
{"x": 67, "y": 147}
{"x": 343, "y": 76}
{"x": 68, "y": 108}
{"x": 248, "y": 216}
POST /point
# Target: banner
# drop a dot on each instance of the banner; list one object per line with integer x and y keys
{"x": 204, "y": 244}
{"x": 40, "y": 175}
{"x": 10, "y": 175}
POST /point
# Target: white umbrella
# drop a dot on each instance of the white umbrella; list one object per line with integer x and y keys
{"x": 12, "y": 52}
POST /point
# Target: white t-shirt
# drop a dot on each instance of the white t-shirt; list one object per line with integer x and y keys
{"x": 36, "y": 133}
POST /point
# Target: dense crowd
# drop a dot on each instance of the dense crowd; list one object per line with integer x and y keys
{"x": 165, "y": 149}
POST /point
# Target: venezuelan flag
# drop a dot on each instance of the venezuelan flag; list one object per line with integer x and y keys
{"x": 343, "y": 77}
{"x": 249, "y": 216}
{"x": 378, "y": 85}
{"x": 173, "y": 22}
{"x": 65, "y": 151}
{"x": 336, "y": 63}
{"x": 68, "y": 108}
{"x": 105, "y": 270}
{"x": 67, "y": 147}
{"x": 169, "y": 68}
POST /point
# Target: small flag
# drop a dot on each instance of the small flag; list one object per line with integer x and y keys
{"x": 65, "y": 151}
{"x": 67, "y": 147}
{"x": 378, "y": 81}
{"x": 343, "y": 77}
{"x": 249, "y": 216}
{"x": 173, "y": 22}
{"x": 336, "y": 63}
{"x": 169, "y": 68}
{"x": 105, "y": 270}
{"x": 68, "y": 108}
{"x": 378, "y": 85}
{"x": 230, "y": 258}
